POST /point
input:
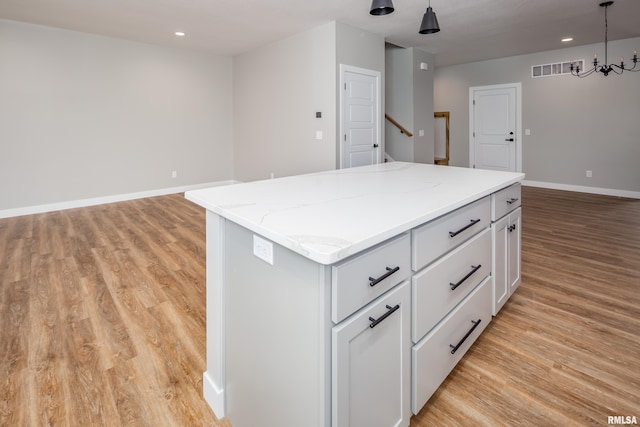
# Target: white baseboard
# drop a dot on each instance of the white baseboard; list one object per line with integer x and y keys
{"x": 213, "y": 395}
{"x": 29, "y": 210}
{"x": 583, "y": 189}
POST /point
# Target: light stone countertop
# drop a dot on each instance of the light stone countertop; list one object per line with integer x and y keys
{"x": 329, "y": 216}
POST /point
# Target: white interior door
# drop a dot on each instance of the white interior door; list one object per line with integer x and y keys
{"x": 360, "y": 123}
{"x": 495, "y": 140}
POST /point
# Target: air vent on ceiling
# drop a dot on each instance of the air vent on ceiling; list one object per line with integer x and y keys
{"x": 557, "y": 69}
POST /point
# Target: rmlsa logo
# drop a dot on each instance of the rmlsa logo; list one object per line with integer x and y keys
{"x": 621, "y": 419}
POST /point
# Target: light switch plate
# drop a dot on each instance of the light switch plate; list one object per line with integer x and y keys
{"x": 263, "y": 249}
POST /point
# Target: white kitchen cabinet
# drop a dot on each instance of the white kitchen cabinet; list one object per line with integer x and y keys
{"x": 440, "y": 287}
{"x": 360, "y": 279}
{"x": 442, "y": 348}
{"x": 371, "y": 362}
{"x": 506, "y": 271}
{"x": 299, "y": 269}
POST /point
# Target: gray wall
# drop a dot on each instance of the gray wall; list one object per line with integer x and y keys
{"x": 358, "y": 48}
{"x": 576, "y": 124}
{"x": 399, "y": 102}
{"x": 85, "y": 116}
{"x": 409, "y": 100}
{"x": 277, "y": 90}
{"x": 90, "y": 117}
{"x": 423, "y": 148}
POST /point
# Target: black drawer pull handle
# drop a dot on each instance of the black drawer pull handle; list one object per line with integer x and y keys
{"x": 390, "y": 271}
{"x": 473, "y": 270}
{"x": 472, "y": 223}
{"x": 511, "y": 228}
{"x": 375, "y": 322}
{"x": 457, "y": 346}
{"x": 512, "y": 200}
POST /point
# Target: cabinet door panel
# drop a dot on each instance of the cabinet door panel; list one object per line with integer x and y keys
{"x": 370, "y": 377}
{"x": 514, "y": 249}
{"x": 500, "y": 271}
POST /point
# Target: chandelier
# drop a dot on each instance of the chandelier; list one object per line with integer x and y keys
{"x": 605, "y": 68}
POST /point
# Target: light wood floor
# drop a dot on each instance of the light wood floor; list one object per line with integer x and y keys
{"x": 102, "y": 320}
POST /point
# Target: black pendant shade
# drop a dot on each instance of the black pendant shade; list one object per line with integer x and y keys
{"x": 429, "y": 22}
{"x": 381, "y": 7}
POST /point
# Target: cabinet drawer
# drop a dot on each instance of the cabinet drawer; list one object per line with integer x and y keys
{"x": 442, "y": 285}
{"x": 362, "y": 278}
{"x": 439, "y": 236}
{"x": 504, "y": 201}
{"x": 432, "y": 358}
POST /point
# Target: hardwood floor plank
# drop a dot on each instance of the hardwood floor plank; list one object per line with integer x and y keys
{"x": 103, "y": 320}
{"x": 14, "y": 318}
{"x": 115, "y": 342}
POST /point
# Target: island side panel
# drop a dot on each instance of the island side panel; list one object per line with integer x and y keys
{"x": 213, "y": 383}
{"x": 277, "y": 336}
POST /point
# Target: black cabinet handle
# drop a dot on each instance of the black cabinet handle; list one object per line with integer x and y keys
{"x": 375, "y": 322}
{"x": 473, "y": 270}
{"x": 455, "y": 348}
{"x": 472, "y": 223}
{"x": 390, "y": 271}
{"x": 512, "y": 200}
{"x": 511, "y": 228}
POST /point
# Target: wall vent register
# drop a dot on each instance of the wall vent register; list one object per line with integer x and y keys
{"x": 555, "y": 69}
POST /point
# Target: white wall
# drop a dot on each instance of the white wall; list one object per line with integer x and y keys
{"x": 576, "y": 124}
{"x": 277, "y": 91}
{"x": 85, "y": 116}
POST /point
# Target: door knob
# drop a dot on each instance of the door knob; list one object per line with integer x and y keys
{"x": 509, "y": 139}
{"x": 375, "y": 145}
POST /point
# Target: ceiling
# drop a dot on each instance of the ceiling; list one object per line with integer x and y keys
{"x": 471, "y": 30}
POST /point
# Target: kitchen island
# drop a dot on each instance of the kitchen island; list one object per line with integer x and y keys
{"x": 322, "y": 308}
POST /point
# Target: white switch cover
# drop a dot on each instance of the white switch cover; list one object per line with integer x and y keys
{"x": 527, "y": 132}
{"x": 318, "y": 134}
{"x": 421, "y": 132}
{"x": 263, "y": 249}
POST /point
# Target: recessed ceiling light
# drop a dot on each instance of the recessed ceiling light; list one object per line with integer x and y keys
{"x": 567, "y": 39}
{"x": 179, "y": 33}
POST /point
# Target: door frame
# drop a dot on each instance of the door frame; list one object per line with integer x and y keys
{"x": 378, "y": 76}
{"x": 518, "y": 134}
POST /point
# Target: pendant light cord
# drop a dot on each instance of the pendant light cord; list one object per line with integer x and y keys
{"x": 606, "y": 31}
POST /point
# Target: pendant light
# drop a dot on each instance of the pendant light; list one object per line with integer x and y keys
{"x": 429, "y": 22}
{"x": 381, "y": 7}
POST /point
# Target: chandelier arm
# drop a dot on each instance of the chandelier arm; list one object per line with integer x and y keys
{"x": 585, "y": 73}
{"x": 633, "y": 68}
{"x": 619, "y": 69}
